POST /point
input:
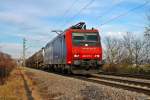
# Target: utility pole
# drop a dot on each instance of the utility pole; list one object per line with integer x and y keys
{"x": 24, "y": 52}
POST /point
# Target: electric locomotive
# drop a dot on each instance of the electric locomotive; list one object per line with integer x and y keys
{"x": 77, "y": 50}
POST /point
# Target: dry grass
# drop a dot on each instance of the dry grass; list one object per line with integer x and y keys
{"x": 14, "y": 87}
{"x": 32, "y": 85}
{"x": 125, "y": 68}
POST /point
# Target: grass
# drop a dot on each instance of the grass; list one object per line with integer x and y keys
{"x": 13, "y": 89}
{"x": 125, "y": 68}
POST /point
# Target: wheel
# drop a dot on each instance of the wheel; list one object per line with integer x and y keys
{"x": 69, "y": 70}
{"x": 63, "y": 69}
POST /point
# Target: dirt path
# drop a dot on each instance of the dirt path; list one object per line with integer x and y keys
{"x": 27, "y": 88}
{"x": 19, "y": 86}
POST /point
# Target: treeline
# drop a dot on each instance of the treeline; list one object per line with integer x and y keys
{"x": 7, "y": 64}
{"x": 127, "y": 52}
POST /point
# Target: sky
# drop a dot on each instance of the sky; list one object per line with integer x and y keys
{"x": 35, "y": 19}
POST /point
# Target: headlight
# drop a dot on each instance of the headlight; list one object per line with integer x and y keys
{"x": 97, "y": 56}
{"x": 76, "y": 55}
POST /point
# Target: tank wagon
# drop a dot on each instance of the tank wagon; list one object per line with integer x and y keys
{"x": 77, "y": 50}
{"x": 36, "y": 60}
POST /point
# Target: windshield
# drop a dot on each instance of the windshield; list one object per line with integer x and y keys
{"x": 91, "y": 37}
{"x": 85, "y": 39}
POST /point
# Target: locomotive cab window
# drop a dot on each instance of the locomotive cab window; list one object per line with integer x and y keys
{"x": 91, "y": 37}
{"x": 82, "y": 39}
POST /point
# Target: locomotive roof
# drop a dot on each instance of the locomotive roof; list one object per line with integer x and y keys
{"x": 82, "y": 30}
{"x": 72, "y": 30}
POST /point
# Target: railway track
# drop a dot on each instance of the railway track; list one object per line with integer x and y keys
{"x": 128, "y": 83}
{"x": 131, "y": 84}
{"x": 139, "y": 76}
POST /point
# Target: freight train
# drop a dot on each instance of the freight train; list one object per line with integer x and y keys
{"x": 77, "y": 50}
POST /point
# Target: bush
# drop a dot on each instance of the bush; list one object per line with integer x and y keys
{"x": 6, "y": 66}
{"x": 110, "y": 68}
{"x": 125, "y": 68}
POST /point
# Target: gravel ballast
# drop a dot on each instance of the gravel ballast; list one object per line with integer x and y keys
{"x": 56, "y": 87}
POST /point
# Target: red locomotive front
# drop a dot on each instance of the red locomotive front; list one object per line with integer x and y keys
{"x": 84, "y": 49}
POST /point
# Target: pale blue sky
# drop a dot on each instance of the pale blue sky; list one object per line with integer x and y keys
{"x": 34, "y": 20}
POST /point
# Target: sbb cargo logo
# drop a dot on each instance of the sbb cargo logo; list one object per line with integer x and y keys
{"x": 86, "y": 56}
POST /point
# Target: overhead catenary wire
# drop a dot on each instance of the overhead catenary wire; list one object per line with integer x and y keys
{"x": 69, "y": 8}
{"x": 79, "y": 12}
{"x": 125, "y": 13}
{"x": 109, "y": 10}
{"x": 66, "y": 12}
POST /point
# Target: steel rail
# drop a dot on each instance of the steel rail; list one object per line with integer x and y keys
{"x": 139, "y": 87}
{"x": 134, "y": 81}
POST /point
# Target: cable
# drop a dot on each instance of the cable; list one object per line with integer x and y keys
{"x": 85, "y": 7}
{"x": 123, "y": 14}
{"x": 109, "y": 10}
{"x": 69, "y": 8}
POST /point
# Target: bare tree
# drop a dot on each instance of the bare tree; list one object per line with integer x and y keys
{"x": 109, "y": 49}
{"x": 114, "y": 50}
{"x": 138, "y": 45}
{"x": 147, "y": 42}
{"x": 128, "y": 46}
{"x": 127, "y": 50}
